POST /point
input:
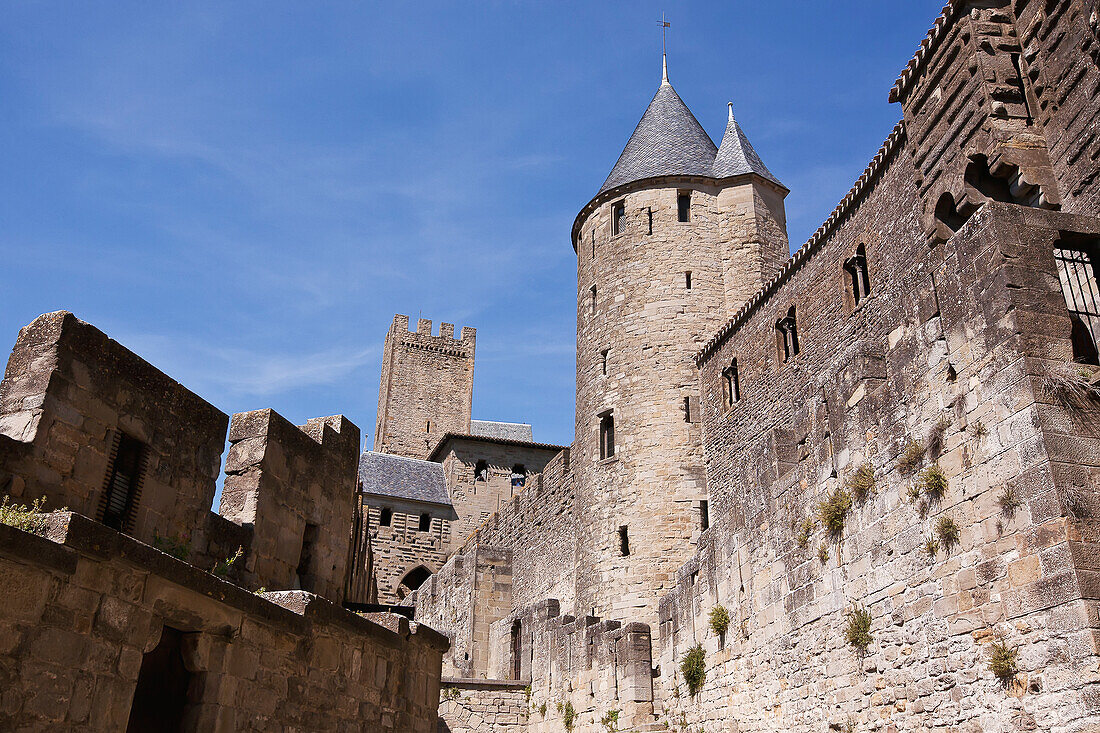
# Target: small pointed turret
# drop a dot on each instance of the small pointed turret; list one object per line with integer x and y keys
{"x": 664, "y": 69}
{"x": 736, "y": 156}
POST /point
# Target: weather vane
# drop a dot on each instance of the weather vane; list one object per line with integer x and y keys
{"x": 664, "y": 57}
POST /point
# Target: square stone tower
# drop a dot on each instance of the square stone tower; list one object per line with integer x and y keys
{"x": 427, "y": 387}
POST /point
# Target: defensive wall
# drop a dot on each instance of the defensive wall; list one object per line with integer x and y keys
{"x": 139, "y": 604}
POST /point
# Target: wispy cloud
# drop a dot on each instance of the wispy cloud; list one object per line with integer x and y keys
{"x": 240, "y": 372}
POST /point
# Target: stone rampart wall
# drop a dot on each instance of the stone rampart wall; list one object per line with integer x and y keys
{"x": 92, "y": 609}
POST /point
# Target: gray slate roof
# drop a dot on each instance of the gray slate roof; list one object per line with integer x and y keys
{"x": 403, "y": 478}
{"x": 503, "y": 430}
{"x": 668, "y": 141}
{"x": 736, "y": 156}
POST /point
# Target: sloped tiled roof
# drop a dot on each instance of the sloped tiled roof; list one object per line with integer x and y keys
{"x": 505, "y": 430}
{"x": 403, "y": 478}
{"x": 736, "y": 156}
{"x": 668, "y": 141}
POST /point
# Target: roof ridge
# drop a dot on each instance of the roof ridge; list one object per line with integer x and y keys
{"x": 931, "y": 40}
{"x": 890, "y": 146}
{"x": 401, "y": 457}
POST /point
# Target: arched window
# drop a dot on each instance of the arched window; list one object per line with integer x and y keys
{"x": 413, "y": 580}
{"x": 519, "y": 476}
{"x": 858, "y": 281}
{"x": 607, "y": 435}
{"x": 731, "y": 384}
{"x": 481, "y": 471}
{"x": 425, "y": 522}
{"x": 787, "y": 335}
{"x": 385, "y": 517}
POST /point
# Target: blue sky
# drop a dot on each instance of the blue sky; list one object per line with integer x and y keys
{"x": 245, "y": 193}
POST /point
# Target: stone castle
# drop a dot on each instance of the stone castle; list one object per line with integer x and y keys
{"x": 852, "y": 489}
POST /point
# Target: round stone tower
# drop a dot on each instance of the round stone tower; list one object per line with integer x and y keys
{"x": 680, "y": 235}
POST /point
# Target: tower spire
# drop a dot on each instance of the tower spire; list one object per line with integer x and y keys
{"x": 664, "y": 51}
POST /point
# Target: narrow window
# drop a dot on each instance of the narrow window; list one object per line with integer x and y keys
{"x": 517, "y": 650}
{"x": 856, "y": 267}
{"x": 704, "y": 514}
{"x": 1077, "y": 274}
{"x": 593, "y": 242}
{"x": 687, "y": 409}
{"x": 649, "y": 214}
{"x": 425, "y": 522}
{"x": 123, "y": 484}
{"x": 592, "y": 292}
{"x": 304, "y": 570}
{"x": 428, "y": 427}
{"x": 603, "y": 361}
{"x": 624, "y": 542}
{"x": 385, "y": 517}
{"x": 787, "y": 335}
{"x": 481, "y": 471}
{"x": 731, "y": 384}
{"x": 683, "y": 205}
{"x": 618, "y": 218}
{"x": 160, "y": 697}
{"x": 607, "y": 435}
{"x": 519, "y": 476}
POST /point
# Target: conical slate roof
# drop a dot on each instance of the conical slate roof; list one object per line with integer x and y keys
{"x": 668, "y": 141}
{"x": 736, "y": 155}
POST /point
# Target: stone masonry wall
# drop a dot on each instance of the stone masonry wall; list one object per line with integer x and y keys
{"x": 475, "y": 706}
{"x": 296, "y": 487}
{"x": 651, "y": 323}
{"x": 402, "y": 547}
{"x": 68, "y": 392}
{"x": 426, "y": 389}
{"x": 950, "y": 351}
{"x": 84, "y": 608}
{"x": 475, "y": 501}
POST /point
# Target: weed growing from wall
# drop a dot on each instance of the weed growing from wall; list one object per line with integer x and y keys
{"x": 823, "y": 553}
{"x": 610, "y": 721}
{"x": 27, "y": 518}
{"x": 1002, "y": 662}
{"x": 857, "y": 630}
{"x": 805, "y": 530}
{"x": 1009, "y": 502}
{"x": 910, "y": 456}
{"x": 935, "y": 436}
{"x": 833, "y": 512}
{"x": 719, "y": 620}
{"x": 862, "y": 483}
{"x": 933, "y": 483}
{"x": 693, "y": 668}
{"x": 947, "y": 532}
{"x": 931, "y": 547}
{"x": 222, "y": 567}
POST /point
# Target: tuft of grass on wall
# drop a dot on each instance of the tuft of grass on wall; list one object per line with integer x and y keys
{"x": 947, "y": 532}
{"x": 1009, "y": 501}
{"x": 932, "y": 483}
{"x": 931, "y": 547}
{"x": 694, "y": 670}
{"x": 862, "y": 483}
{"x": 911, "y": 456}
{"x": 823, "y": 553}
{"x": 833, "y": 513}
{"x": 935, "y": 436}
